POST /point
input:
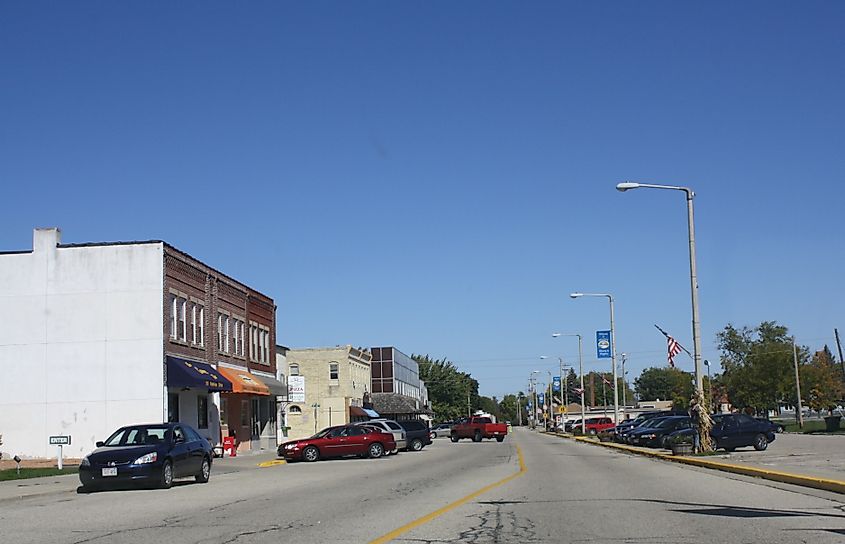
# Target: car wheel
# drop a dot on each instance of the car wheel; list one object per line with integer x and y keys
{"x": 760, "y": 442}
{"x": 454, "y": 438}
{"x": 592, "y": 432}
{"x": 205, "y": 471}
{"x": 476, "y": 437}
{"x": 416, "y": 445}
{"x": 376, "y": 450}
{"x": 310, "y": 454}
{"x": 166, "y": 480}
{"x": 500, "y": 438}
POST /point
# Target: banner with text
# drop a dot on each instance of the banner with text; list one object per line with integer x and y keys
{"x": 603, "y": 344}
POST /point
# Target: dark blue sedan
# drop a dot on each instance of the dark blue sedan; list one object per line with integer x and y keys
{"x": 732, "y": 431}
{"x": 150, "y": 455}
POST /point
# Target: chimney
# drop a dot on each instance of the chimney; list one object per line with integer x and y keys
{"x": 44, "y": 239}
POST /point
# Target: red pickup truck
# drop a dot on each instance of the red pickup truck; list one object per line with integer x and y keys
{"x": 478, "y": 428}
{"x": 598, "y": 424}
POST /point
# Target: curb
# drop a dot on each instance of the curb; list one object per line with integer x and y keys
{"x": 825, "y": 484}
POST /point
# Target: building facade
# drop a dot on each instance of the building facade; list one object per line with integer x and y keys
{"x": 397, "y": 391}
{"x": 328, "y": 387}
{"x": 97, "y": 336}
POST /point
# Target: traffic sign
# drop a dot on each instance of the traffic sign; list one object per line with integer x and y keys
{"x": 61, "y": 440}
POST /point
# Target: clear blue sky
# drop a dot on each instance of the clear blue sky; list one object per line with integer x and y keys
{"x": 439, "y": 176}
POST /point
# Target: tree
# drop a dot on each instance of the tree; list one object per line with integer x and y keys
{"x": 448, "y": 388}
{"x": 758, "y": 366}
{"x": 665, "y": 383}
{"x": 508, "y": 407}
{"x": 821, "y": 382}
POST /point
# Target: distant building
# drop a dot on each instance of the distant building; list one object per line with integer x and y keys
{"x": 327, "y": 386}
{"x": 397, "y": 391}
{"x": 100, "y": 335}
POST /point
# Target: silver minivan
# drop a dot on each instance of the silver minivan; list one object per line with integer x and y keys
{"x": 390, "y": 426}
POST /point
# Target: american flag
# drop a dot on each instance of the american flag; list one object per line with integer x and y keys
{"x": 674, "y": 348}
{"x": 578, "y": 390}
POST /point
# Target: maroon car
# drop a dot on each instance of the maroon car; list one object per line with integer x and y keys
{"x": 340, "y": 441}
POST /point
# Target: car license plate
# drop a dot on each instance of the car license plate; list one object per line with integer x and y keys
{"x": 110, "y": 471}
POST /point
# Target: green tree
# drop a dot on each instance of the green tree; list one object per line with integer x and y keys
{"x": 758, "y": 366}
{"x": 665, "y": 383}
{"x": 508, "y": 407}
{"x": 821, "y": 382}
{"x": 451, "y": 392}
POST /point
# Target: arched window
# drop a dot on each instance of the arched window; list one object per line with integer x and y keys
{"x": 294, "y": 369}
{"x": 294, "y": 410}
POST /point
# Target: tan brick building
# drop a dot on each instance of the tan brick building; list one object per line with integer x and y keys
{"x": 336, "y": 381}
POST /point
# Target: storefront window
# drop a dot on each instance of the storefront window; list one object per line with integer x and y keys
{"x": 244, "y": 413}
{"x": 224, "y": 411}
{"x": 202, "y": 412}
{"x": 172, "y": 407}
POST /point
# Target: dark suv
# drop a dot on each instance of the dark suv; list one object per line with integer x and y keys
{"x": 417, "y": 434}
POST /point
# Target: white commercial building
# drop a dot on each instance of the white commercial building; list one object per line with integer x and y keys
{"x": 86, "y": 343}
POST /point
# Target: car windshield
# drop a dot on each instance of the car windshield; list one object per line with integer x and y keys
{"x": 322, "y": 433}
{"x": 652, "y": 423}
{"x": 138, "y": 435}
{"x": 666, "y": 423}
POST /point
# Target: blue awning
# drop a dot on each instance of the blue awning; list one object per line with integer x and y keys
{"x": 194, "y": 375}
{"x": 371, "y": 413}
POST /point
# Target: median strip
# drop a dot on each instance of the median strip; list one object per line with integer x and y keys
{"x": 437, "y": 513}
{"x": 826, "y": 484}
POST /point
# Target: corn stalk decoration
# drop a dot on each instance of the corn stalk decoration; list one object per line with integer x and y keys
{"x": 704, "y": 423}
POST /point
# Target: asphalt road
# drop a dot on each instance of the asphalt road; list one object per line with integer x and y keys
{"x": 567, "y": 492}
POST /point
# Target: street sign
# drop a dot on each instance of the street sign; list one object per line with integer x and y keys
{"x": 60, "y": 440}
{"x": 603, "y": 344}
{"x": 541, "y": 399}
{"x": 556, "y": 384}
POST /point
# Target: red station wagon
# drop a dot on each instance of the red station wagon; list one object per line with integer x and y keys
{"x": 340, "y": 441}
{"x": 598, "y": 424}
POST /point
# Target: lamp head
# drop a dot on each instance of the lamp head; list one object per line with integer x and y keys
{"x": 544, "y": 356}
{"x": 575, "y": 295}
{"x": 627, "y": 185}
{"x": 555, "y": 335}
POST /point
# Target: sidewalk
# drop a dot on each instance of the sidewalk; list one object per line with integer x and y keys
{"x": 48, "y": 485}
{"x": 809, "y": 460}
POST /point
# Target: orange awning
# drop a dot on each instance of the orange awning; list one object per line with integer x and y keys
{"x": 244, "y": 382}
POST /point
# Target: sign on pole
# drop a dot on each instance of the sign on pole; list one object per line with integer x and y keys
{"x": 603, "y": 344}
{"x": 541, "y": 399}
{"x": 61, "y": 440}
{"x": 556, "y": 384}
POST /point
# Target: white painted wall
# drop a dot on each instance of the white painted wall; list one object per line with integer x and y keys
{"x": 81, "y": 343}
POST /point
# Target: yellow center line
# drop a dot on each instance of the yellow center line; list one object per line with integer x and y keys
{"x": 437, "y": 513}
{"x": 272, "y": 463}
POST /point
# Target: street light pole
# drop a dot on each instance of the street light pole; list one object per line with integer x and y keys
{"x": 581, "y": 374}
{"x": 612, "y": 350}
{"x": 696, "y": 320}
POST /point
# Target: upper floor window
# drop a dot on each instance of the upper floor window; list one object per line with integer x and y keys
{"x": 293, "y": 409}
{"x": 333, "y": 371}
{"x": 200, "y": 325}
{"x": 293, "y": 369}
{"x": 226, "y": 333}
{"x": 181, "y": 319}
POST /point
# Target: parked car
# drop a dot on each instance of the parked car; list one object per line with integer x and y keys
{"x": 598, "y": 424}
{"x": 416, "y": 434}
{"x": 150, "y": 454}
{"x": 441, "y": 430}
{"x": 629, "y": 424}
{"x": 732, "y": 431}
{"x": 572, "y": 424}
{"x": 657, "y": 433}
{"x": 477, "y": 428}
{"x": 626, "y": 436}
{"x": 779, "y": 427}
{"x": 389, "y": 426}
{"x": 340, "y": 441}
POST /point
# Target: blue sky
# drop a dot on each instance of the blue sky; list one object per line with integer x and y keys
{"x": 439, "y": 176}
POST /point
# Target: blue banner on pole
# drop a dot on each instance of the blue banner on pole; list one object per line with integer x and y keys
{"x": 556, "y": 384}
{"x": 541, "y": 399}
{"x": 603, "y": 344}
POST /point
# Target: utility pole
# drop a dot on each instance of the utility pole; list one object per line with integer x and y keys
{"x": 624, "y": 383}
{"x": 799, "y": 408}
{"x": 839, "y": 347}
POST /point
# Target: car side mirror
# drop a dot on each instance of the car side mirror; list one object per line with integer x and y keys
{"x": 100, "y": 444}
{"x": 180, "y": 439}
